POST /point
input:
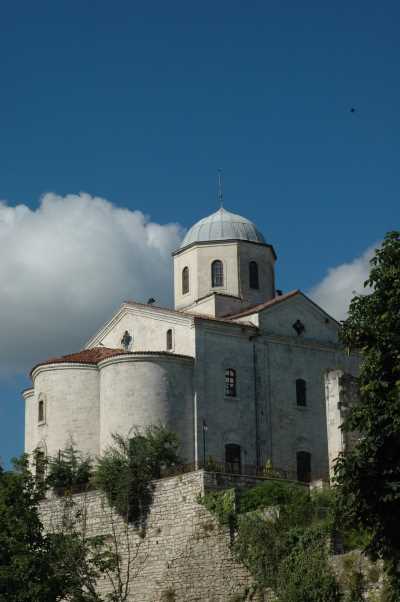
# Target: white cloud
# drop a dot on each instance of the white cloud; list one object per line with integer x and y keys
{"x": 337, "y": 288}
{"x": 67, "y": 265}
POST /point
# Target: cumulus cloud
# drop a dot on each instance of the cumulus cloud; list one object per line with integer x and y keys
{"x": 337, "y": 288}
{"x": 66, "y": 266}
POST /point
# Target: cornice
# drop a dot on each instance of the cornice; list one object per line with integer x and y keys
{"x": 61, "y": 366}
{"x": 28, "y": 392}
{"x": 202, "y": 243}
{"x": 303, "y": 343}
{"x": 141, "y": 356}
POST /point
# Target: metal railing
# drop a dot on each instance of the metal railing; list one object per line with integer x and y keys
{"x": 231, "y": 469}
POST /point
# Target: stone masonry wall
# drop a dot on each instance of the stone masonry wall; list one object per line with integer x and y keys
{"x": 183, "y": 556}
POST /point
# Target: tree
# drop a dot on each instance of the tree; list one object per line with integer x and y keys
{"x": 126, "y": 469}
{"x": 27, "y": 572}
{"x": 49, "y": 566}
{"x": 69, "y": 470}
{"x": 368, "y": 477}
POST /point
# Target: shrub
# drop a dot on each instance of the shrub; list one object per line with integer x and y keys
{"x": 222, "y": 504}
{"x": 304, "y": 575}
{"x": 260, "y": 547}
{"x": 126, "y": 469}
{"x": 69, "y": 470}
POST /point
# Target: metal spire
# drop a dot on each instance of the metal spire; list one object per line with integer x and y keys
{"x": 220, "y": 190}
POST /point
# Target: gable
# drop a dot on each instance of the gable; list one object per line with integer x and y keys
{"x": 148, "y": 328}
{"x": 279, "y": 319}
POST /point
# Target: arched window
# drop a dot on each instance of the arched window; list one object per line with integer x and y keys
{"x": 185, "y": 280}
{"x": 40, "y": 465}
{"x": 303, "y": 466}
{"x": 169, "y": 339}
{"x": 253, "y": 275}
{"x": 230, "y": 382}
{"x": 232, "y": 458}
{"x": 217, "y": 273}
{"x": 41, "y": 411}
{"x": 301, "y": 392}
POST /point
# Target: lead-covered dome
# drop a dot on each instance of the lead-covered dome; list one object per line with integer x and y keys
{"x": 222, "y": 225}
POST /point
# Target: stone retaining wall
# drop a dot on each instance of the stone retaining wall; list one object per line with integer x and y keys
{"x": 182, "y": 556}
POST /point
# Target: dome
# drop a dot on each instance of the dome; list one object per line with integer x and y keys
{"x": 222, "y": 225}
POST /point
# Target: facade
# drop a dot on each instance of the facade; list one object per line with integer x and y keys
{"x": 236, "y": 369}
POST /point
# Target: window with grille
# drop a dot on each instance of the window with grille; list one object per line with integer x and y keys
{"x": 230, "y": 382}
{"x": 301, "y": 392}
{"x": 217, "y": 273}
{"x": 253, "y": 275}
{"x": 185, "y": 280}
{"x": 41, "y": 411}
{"x": 169, "y": 339}
{"x": 304, "y": 466}
{"x": 232, "y": 458}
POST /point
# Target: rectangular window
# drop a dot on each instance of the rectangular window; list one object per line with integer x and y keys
{"x": 230, "y": 382}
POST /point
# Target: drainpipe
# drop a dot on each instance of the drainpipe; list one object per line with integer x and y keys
{"x": 256, "y": 409}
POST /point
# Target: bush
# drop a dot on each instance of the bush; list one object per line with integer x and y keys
{"x": 260, "y": 547}
{"x": 126, "y": 469}
{"x": 304, "y": 574}
{"x": 69, "y": 470}
{"x": 222, "y": 504}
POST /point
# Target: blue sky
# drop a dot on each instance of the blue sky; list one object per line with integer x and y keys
{"x": 142, "y": 103}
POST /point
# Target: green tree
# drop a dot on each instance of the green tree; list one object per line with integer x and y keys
{"x": 126, "y": 469}
{"x": 69, "y": 470}
{"x": 39, "y": 566}
{"x": 368, "y": 477}
{"x": 27, "y": 572}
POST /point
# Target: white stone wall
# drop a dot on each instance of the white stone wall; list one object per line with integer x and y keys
{"x": 71, "y": 396}
{"x": 279, "y": 319}
{"x": 294, "y": 428}
{"x": 341, "y": 394}
{"x": 229, "y": 419}
{"x": 148, "y": 327}
{"x": 85, "y": 404}
{"x": 142, "y": 390}
{"x": 265, "y": 259}
{"x": 235, "y": 257}
{"x": 31, "y": 411}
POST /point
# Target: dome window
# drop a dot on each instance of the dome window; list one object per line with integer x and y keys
{"x": 217, "y": 273}
{"x": 185, "y": 280}
{"x": 253, "y": 275}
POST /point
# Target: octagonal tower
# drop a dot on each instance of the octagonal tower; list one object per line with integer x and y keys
{"x": 223, "y": 265}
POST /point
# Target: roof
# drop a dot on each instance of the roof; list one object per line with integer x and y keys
{"x": 222, "y": 225}
{"x": 94, "y": 356}
{"x": 275, "y": 301}
{"x": 87, "y": 356}
{"x": 187, "y": 314}
{"x": 256, "y": 308}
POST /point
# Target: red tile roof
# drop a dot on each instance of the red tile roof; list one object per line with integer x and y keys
{"x": 87, "y": 356}
{"x": 94, "y": 356}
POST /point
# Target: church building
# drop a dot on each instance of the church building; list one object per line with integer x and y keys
{"x": 237, "y": 369}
